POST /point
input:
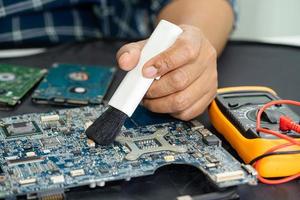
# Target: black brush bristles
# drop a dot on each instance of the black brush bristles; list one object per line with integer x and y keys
{"x": 107, "y": 127}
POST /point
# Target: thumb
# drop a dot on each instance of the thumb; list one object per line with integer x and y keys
{"x": 129, "y": 54}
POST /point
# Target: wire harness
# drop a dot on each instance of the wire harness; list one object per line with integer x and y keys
{"x": 285, "y": 124}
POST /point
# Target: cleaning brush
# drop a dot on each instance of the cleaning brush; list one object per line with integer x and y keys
{"x": 132, "y": 88}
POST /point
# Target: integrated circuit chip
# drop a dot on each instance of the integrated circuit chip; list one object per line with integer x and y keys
{"x": 50, "y": 142}
{"x": 21, "y": 129}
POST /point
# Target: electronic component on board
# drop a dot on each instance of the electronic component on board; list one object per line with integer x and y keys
{"x": 49, "y": 118}
{"x": 27, "y": 181}
{"x": 77, "y": 172}
{"x": 18, "y": 129}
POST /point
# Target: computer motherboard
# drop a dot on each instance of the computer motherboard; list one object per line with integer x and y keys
{"x": 46, "y": 154}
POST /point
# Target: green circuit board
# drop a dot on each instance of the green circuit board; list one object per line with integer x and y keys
{"x": 16, "y": 81}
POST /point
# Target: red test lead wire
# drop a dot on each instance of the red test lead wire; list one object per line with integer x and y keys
{"x": 287, "y": 124}
{"x": 277, "y": 181}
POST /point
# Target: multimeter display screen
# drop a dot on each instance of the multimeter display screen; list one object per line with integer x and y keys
{"x": 255, "y": 99}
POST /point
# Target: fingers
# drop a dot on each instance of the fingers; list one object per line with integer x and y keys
{"x": 182, "y": 77}
{"x": 188, "y": 73}
{"x": 196, "y": 109}
{"x": 174, "y": 81}
{"x": 183, "y": 51}
{"x": 180, "y": 101}
{"x": 129, "y": 54}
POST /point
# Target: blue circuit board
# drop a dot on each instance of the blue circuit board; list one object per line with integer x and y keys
{"x": 70, "y": 84}
{"x": 46, "y": 154}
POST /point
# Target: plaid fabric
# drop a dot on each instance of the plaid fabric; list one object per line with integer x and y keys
{"x": 56, "y": 21}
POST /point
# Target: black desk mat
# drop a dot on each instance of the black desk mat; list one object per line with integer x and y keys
{"x": 241, "y": 64}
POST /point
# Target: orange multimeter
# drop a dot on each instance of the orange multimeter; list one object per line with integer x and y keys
{"x": 233, "y": 114}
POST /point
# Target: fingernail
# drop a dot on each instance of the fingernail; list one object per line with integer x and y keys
{"x": 124, "y": 59}
{"x": 150, "y": 72}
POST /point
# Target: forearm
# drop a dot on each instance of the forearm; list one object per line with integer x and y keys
{"x": 213, "y": 17}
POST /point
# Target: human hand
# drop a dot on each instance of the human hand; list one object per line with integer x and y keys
{"x": 188, "y": 73}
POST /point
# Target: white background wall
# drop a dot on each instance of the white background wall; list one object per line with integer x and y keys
{"x": 269, "y": 20}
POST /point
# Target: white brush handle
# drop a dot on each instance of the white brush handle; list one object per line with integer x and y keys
{"x": 134, "y": 86}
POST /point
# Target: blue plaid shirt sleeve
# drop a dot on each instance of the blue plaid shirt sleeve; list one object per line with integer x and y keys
{"x": 45, "y": 22}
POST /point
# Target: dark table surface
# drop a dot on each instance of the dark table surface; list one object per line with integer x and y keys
{"x": 241, "y": 64}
